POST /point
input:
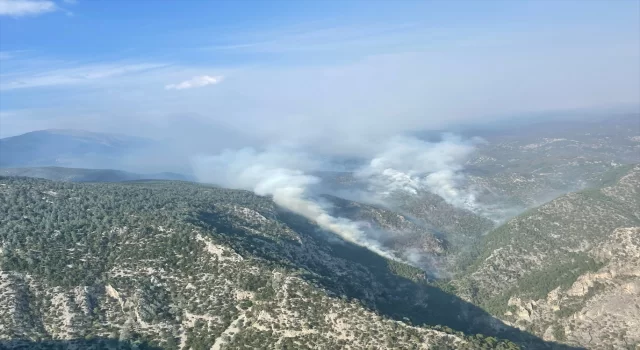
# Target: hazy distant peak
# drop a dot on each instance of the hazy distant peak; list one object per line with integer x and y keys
{"x": 67, "y": 147}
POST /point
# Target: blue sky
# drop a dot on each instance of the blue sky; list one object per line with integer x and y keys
{"x": 302, "y": 70}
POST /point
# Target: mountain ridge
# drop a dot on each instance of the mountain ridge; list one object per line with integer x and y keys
{"x": 64, "y": 147}
{"x": 89, "y": 175}
{"x": 244, "y": 239}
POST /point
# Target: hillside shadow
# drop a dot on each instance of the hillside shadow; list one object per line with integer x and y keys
{"x": 370, "y": 279}
{"x": 89, "y": 344}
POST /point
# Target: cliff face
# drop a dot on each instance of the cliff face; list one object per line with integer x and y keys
{"x": 600, "y": 308}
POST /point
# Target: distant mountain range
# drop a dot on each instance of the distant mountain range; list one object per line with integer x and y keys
{"x": 89, "y": 175}
{"x": 74, "y": 148}
{"x": 84, "y": 156}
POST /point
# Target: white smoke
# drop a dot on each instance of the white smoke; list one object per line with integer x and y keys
{"x": 278, "y": 173}
{"x": 400, "y": 164}
{"x": 411, "y": 165}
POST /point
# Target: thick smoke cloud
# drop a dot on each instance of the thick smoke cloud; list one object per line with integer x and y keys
{"x": 279, "y": 174}
{"x": 412, "y": 165}
{"x": 405, "y": 164}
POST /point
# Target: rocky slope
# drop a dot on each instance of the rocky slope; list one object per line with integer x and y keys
{"x": 180, "y": 265}
{"x": 405, "y": 237}
{"x": 422, "y": 229}
{"x": 601, "y": 308}
{"x": 567, "y": 270}
{"x": 422, "y": 208}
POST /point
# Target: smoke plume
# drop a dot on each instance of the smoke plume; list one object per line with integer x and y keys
{"x": 278, "y": 174}
{"x": 411, "y": 165}
{"x": 405, "y": 164}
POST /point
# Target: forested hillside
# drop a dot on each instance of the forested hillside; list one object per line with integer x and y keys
{"x": 176, "y": 264}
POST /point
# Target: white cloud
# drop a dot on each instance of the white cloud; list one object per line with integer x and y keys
{"x": 19, "y": 8}
{"x": 296, "y": 39}
{"x": 199, "y": 81}
{"x": 71, "y": 76}
{"x": 344, "y": 106}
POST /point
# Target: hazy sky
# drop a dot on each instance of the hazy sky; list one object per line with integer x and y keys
{"x": 311, "y": 72}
